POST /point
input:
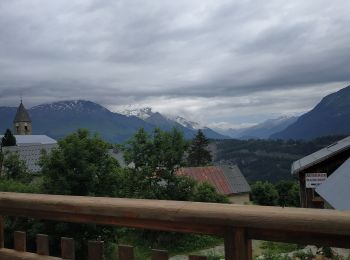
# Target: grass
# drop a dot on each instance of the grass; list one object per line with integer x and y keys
{"x": 175, "y": 243}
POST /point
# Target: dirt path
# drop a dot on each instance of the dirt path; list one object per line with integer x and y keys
{"x": 218, "y": 250}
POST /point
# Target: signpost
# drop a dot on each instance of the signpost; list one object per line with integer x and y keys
{"x": 313, "y": 180}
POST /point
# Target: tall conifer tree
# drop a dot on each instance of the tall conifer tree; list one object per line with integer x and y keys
{"x": 9, "y": 139}
{"x": 198, "y": 154}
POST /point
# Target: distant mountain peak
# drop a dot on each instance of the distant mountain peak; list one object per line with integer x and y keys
{"x": 142, "y": 113}
{"x": 259, "y": 131}
{"x": 167, "y": 122}
{"x": 331, "y": 116}
{"x": 186, "y": 123}
{"x": 71, "y": 105}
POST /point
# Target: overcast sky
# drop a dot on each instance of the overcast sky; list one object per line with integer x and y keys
{"x": 217, "y": 62}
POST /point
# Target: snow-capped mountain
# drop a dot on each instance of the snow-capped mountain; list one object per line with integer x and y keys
{"x": 142, "y": 113}
{"x": 58, "y": 119}
{"x": 70, "y": 106}
{"x": 186, "y": 123}
{"x": 167, "y": 122}
{"x": 146, "y": 112}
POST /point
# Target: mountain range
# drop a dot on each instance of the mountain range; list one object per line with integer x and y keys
{"x": 260, "y": 131}
{"x": 329, "y": 117}
{"x": 61, "y": 118}
{"x": 166, "y": 122}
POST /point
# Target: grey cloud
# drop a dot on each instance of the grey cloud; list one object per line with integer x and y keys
{"x": 137, "y": 51}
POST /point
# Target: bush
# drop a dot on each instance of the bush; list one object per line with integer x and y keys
{"x": 264, "y": 193}
{"x": 205, "y": 192}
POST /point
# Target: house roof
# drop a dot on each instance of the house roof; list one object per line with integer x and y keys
{"x": 236, "y": 179}
{"x": 225, "y": 179}
{"x": 22, "y": 115}
{"x": 321, "y": 155}
{"x": 335, "y": 190}
{"x": 23, "y": 140}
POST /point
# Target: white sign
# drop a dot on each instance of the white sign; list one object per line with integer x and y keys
{"x": 313, "y": 180}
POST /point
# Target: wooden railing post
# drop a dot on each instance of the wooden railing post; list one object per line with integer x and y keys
{"x": 125, "y": 252}
{"x": 20, "y": 241}
{"x": 249, "y": 249}
{"x": 95, "y": 250}
{"x": 67, "y": 248}
{"x": 42, "y": 244}
{"x": 237, "y": 245}
{"x": 2, "y": 227}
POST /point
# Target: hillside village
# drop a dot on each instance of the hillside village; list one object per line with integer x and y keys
{"x": 219, "y": 180}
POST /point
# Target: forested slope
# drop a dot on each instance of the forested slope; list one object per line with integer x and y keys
{"x": 268, "y": 160}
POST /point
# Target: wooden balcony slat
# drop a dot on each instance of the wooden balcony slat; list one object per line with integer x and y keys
{"x": 42, "y": 244}
{"x": 125, "y": 252}
{"x": 67, "y": 248}
{"x": 160, "y": 254}
{"x": 95, "y": 250}
{"x": 20, "y": 241}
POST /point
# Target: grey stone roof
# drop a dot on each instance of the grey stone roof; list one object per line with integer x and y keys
{"x": 335, "y": 190}
{"x": 22, "y": 115}
{"x": 236, "y": 179}
{"x": 321, "y": 155}
{"x": 23, "y": 140}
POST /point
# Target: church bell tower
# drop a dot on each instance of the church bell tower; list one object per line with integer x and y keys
{"x": 22, "y": 123}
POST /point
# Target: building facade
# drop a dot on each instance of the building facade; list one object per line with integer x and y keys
{"x": 315, "y": 169}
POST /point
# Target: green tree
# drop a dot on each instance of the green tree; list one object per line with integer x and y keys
{"x": 14, "y": 167}
{"x": 159, "y": 150}
{"x": 198, "y": 154}
{"x": 156, "y": 158}
{"x": 288, "y": 192}
{"x": 80, "y": 165}
{"x": 264, "y": 193}
{"x": 9, "y": 139}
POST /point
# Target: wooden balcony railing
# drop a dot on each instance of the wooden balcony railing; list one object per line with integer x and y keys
{"x": 237, "y": 224}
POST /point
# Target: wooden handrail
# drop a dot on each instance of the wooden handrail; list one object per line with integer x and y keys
{"x": 297, "y": 225}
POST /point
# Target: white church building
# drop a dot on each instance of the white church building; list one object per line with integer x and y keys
{"x": 28, "y": 147}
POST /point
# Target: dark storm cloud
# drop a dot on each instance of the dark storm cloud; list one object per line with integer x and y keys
{"x": 195, "y": 57}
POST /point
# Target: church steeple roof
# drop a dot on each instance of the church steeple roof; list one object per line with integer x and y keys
{"x": 22, "y": 115}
